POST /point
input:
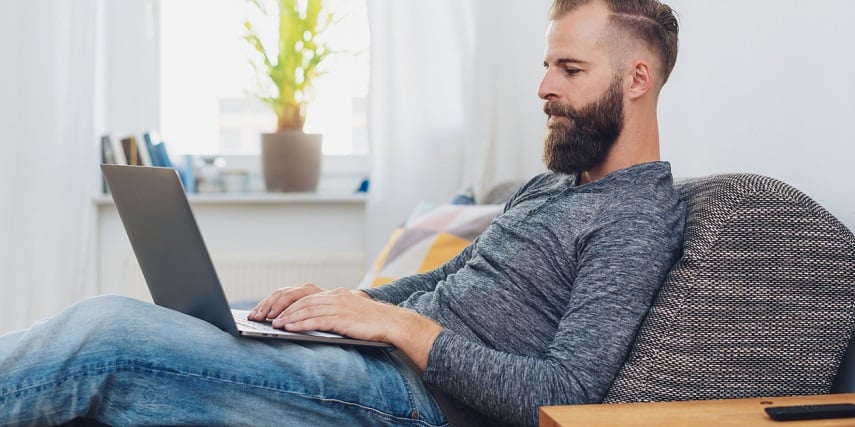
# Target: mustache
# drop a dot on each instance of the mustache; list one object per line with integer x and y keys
{"x": 555, "y": 108}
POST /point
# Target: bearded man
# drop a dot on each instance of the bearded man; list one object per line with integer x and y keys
{"x": 541, "y": 309}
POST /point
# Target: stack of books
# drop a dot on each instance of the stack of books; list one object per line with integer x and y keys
{"x": 129, "y": 151}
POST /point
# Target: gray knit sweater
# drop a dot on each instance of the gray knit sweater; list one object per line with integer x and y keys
{"x": 543, "y": 307}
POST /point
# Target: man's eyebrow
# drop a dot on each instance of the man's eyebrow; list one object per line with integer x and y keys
{"x": 566, "y": 61}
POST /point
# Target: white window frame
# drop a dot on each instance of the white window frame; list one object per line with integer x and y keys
{"x": 131, "y": 49}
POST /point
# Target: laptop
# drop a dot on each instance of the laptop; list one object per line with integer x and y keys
{"x": 174, "y": 260}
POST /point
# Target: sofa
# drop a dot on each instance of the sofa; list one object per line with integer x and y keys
{"x": 761, "y": 303}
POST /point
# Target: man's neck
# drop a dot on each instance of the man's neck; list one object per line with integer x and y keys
{"x": 637, "y": 144}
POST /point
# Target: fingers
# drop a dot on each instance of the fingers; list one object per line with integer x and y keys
{"x": 343, "y": 312}
{"x": 320, "y": 311}
{"x": 306, "y": 317}
{"x": 279, "y": 300}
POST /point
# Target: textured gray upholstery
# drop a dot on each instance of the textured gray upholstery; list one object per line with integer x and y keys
{"x": 500, "y": 193}
{"x": 762, "y": 302}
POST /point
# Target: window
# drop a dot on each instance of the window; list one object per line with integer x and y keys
{"x": 206, "y": 80}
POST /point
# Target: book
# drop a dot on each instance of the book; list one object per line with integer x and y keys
{"x": 152, "y": 139}
{"x": 134, "y": 153}
{"x": 111, "y": 150}
{"x": 129, "y": 148}
{"x": 187, "y": 173}
{"x": 108, "y": 156}
{"x": 157, "y": 149}
{"x": 162, "y": 155}
{"x": 117, "y": 150}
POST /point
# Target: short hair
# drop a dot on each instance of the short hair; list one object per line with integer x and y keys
{"x": 650, "y": 21}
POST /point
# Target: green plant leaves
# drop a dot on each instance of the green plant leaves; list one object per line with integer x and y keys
{"x": 294, "y": 64}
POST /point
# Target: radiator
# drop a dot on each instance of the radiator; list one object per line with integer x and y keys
{"x": 250, "y": 277}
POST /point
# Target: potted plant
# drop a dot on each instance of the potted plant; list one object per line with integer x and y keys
{"x": 288, "y": 67}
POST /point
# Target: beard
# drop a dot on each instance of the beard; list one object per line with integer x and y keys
{"x": 584, "y": 142}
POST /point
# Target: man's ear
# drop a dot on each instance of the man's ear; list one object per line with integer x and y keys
{"x": 642, "y": 79}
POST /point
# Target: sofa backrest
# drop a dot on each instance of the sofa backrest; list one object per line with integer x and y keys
{"x": 761, "y": 303}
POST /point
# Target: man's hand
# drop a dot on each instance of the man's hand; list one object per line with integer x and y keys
{"x": 350, "y": 313}
{"x": 279, "y": 300}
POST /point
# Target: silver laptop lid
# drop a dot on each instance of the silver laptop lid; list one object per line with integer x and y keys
{"x": 167, "y": 243}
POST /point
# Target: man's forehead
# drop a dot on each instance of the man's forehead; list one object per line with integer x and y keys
{"x": 577, "y": 32}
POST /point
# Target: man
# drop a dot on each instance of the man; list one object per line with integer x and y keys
{"x": 541, "y": 309}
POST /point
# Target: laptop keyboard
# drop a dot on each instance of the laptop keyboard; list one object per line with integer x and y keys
{"x": 240, "y": 319}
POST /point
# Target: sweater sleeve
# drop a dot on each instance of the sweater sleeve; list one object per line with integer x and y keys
{"x": 401, "y": 289}
{"x": 621, "y": 263}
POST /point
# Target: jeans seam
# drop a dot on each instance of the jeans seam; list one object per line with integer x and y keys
{"x": 410, "y": 398}
{"x": 371, "y": 411}
{"x": 132, "y": 366}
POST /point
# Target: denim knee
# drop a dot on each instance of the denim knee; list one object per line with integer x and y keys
{"x": 107, "y": 320}
{"x": 105, "y": 310}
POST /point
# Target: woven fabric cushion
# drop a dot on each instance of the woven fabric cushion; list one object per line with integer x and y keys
{"x": 429, "y": 239}
{"x": 762, "y": 302}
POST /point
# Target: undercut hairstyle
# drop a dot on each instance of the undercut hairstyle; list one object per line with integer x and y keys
{"x": 649, "y": 21}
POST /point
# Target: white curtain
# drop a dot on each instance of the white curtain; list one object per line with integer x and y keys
{"x": 503, "y": 115}
{"x": 453, "y": 101}
{"x": 48, "y": 174}
{"x": 415, "y": 113}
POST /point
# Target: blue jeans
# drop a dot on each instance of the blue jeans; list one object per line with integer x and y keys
{"x": 126, "y": 362}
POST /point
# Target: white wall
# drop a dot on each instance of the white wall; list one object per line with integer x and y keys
{"x": 761, "y": 86}
{"x": 766, "y": 86}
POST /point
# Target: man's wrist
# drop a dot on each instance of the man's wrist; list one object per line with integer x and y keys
{"x": 415, "y": 336}
{"x": 360, "y": 292}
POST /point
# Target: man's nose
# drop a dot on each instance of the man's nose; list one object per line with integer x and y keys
{"x": 548, "y": 88}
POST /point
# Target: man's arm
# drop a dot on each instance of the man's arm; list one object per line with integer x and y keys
{"x": 351, "y": 313}
{"x": 398, "y": 291}
{"x": 363, "y": 314}
{"x": 621, "y": 263}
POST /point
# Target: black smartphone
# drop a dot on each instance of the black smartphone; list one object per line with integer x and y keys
{"x": 811, "y": 412}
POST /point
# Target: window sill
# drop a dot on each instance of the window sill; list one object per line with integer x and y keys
{"x": 262, "y": 198}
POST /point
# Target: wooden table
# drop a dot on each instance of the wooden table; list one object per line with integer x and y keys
{"x": 694, "y": 413}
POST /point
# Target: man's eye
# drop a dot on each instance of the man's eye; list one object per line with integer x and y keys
{"x": 571, "y": 71}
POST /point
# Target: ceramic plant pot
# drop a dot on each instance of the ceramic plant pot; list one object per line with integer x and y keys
{"x": 291, "y": 161}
